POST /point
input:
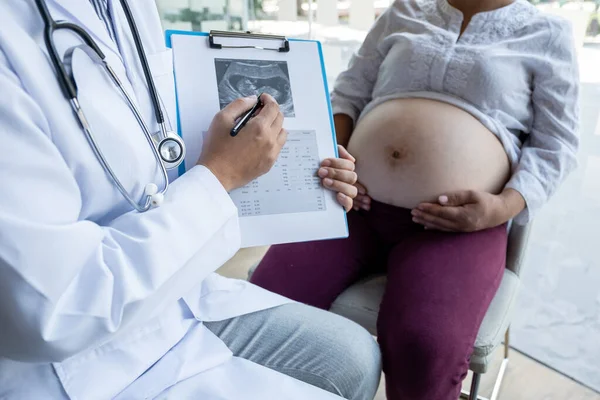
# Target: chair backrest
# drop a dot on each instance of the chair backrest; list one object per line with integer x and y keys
{"x": 518, "y": 238}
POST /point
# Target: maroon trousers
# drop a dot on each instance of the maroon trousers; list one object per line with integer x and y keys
{"x": 438, "y": 290}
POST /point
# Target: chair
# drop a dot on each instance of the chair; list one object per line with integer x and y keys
{"x": 360, "y": 303}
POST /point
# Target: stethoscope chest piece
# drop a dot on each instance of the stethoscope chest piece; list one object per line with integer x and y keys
{"x": 171, "y": 149}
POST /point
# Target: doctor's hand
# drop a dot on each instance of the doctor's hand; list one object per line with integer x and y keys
{"x": 235, "y": 161}
{"x": 338, "y": 175}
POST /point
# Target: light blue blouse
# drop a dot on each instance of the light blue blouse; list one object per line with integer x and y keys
{"x": 514, "y": 68}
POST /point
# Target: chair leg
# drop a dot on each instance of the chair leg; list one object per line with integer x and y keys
{"x": 507, "y": 342}
{"x": 473, "y": 393}
{"x": 474, "y": 386}
{"x": 503, "y": 366}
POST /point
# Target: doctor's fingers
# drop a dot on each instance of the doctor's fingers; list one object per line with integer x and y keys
{"x": 270, "y": 110}
{"x": 282, "y": 138}
{"x": 237, "y": 108}
{"x": 278, "y": 123}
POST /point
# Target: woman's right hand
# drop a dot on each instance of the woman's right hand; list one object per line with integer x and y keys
{"x": 362, "y": 201}
{"x": 235, "y": 161}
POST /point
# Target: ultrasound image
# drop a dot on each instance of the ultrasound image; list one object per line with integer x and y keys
{"x": 242, "y": 78}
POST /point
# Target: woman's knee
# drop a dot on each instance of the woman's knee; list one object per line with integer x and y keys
{"x": 314, "y": 273}
{"x": 424, "y": 362}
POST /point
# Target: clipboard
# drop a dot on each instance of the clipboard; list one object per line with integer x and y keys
{"x": 288, "y": 204}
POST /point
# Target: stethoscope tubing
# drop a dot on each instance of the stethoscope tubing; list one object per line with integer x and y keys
{"x": 139, "y": 46}
{"x": 69, "y": 88}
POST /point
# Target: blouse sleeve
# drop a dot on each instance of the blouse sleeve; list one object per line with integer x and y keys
{"x": 353, "y": 88}
{"x": 549, "y": 153}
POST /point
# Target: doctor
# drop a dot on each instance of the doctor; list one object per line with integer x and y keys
{"x": 103, "y": 298}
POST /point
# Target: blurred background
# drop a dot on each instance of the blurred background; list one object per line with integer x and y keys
{"x": 341, "y": 24}
{"x": 558, "y": 318}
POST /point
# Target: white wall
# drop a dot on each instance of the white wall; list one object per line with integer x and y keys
{"x": 362, "y": 14}
{"x": 288, "y": 10}
{"x": 327, "y": 13}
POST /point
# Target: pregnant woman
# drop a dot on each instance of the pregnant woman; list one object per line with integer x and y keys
{"x": 462, "y": 115}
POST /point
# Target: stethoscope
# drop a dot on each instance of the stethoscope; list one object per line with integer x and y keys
{"x": 168, "y": 147}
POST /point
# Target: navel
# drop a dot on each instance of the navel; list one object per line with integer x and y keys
{"x": 395, "y": 155}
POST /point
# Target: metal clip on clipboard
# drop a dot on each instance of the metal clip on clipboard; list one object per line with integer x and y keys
{"x": 247, "y": 35}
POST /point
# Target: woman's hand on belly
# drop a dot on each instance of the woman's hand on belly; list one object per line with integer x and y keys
{"x": 469, "y": 211}
{"x": 362, "y": 199}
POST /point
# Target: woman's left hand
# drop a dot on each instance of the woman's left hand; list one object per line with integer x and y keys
{"x": 338, "y": 175}
{"x": 469, "y": 211}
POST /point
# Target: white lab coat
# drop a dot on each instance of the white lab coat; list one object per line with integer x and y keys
{"x": 93, "y": 295}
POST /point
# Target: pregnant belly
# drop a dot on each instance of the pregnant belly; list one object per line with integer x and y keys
{"x": 413, "y": 150}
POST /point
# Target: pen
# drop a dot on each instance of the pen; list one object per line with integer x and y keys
{"x": 246, "y": 117}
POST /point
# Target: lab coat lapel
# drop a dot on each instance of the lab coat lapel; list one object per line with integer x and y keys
{"x": 82, "y": 13}
{"x": 128, "y": 51}
{"x": 158, "y": 56}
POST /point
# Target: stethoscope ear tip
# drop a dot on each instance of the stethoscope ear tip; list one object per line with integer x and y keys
{"x": 151, "y": 191}
{"x": 153, "y": 197}
{"x": 157, "y": 199}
